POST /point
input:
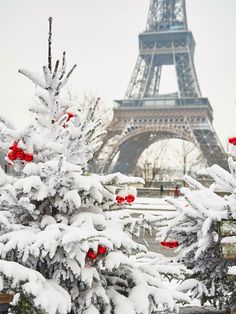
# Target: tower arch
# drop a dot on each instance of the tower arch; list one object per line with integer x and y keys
{"x": 136, "y": 139}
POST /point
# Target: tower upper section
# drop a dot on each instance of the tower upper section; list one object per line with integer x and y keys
{"x": 166, "y": 15}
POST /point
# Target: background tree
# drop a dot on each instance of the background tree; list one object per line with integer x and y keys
{"x": 151, "y": 161}
{"x": 189, "y": 157}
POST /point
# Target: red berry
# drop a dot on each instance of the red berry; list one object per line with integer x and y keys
{"x": 20, "y": 155}
{"x": 232, "y": 140}
{"x": 12, "y": 156}
{"x": 130, "y": 198}
{"x": 14, "y": 146}
{"x": 91, "y": 254}
{"x": 120, "y": 199}
{"x": 28, "y": 157}
{"x": 102, "y": 250}
{"x": 170, "y": 244}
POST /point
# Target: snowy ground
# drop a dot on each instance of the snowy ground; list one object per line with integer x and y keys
{"x": 150, "y": 205}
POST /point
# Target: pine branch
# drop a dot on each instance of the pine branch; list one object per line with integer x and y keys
{"x": 63, "y": 67}
{"x": 62, "y": 83}
{"x": 32, "y": 76}
{"x": 50, "y": 44}
{"x": 47, "y": 77}
{"x": 55, "y": 69}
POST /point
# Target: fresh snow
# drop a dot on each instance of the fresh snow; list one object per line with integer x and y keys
{"x": 46, "y": 294}
{"x": 231, "y": 239}
{"x": 232, "y": 270}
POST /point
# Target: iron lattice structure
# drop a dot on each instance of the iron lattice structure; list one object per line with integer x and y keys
{"x": 144, "y": 115}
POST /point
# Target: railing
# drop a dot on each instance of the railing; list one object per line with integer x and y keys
{"x": 155, "y": 192}
{"x": 163, "y": 102}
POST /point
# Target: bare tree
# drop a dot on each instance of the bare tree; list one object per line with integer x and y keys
{"x": 151, "y": 160}
{"x": 189, "y": 158}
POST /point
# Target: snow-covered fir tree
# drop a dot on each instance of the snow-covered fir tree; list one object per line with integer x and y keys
{"x": 195, "y": 225}
{"x": 62, "y": 249}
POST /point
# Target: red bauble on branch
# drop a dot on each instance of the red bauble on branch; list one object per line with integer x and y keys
{"x": 12, "y": 156}
{"x": 120, "y": 199}
{"x": 170, "y": 244}
{"x": 130, "y": 198}
{"x": 20, "y": 154}
{"x": 91, "y": 254}
{"x": 232, "y": 140}
{"x": 28, "y": 157}
{"x": 102, "y": 250}
{"x": 14, "y": 146}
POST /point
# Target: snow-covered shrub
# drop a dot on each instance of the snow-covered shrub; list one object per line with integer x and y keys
{"x": 195, "y": 225}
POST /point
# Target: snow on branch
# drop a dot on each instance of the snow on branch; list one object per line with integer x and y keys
{"x": 119, "y": 179}
{"x": 224, "y": 180}
{"x": 45, "y": 294}
{"x": 52, "y": 83}
{"x": 35, "y": 78}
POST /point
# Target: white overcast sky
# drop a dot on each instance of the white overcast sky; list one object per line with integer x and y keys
{"x": 100, "y": 36}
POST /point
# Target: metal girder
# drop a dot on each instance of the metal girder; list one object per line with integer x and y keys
{"x": 145, "y": 80}
{"x": 211, "y": 147}
{"x": 166, "y": 14}
{"x": 186, "y": 75}
{"x": 139, "y": 77}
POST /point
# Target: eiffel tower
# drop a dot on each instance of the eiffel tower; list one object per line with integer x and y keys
{"x": 145, "y": 116}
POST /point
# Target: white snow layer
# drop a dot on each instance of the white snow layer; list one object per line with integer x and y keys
{"x": 232, "y": 270}
{"x": 229, "y": 239}
{"x": 46, "y": 294}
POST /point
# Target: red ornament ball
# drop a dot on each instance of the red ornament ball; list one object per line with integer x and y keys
{"x": 120, "y": 199}
{"x": 232, "y": 140}
{"x": 102, "y": 250}
{"x": 170, "y": 244}
{"x": 91, "y": 254}
{"x": 12, "y": 156}
{"x": 28, "y": 157}
{"x": 14, "y": 146}
{"x": 20, "y": 155}
{"x": 130, "y": 198}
